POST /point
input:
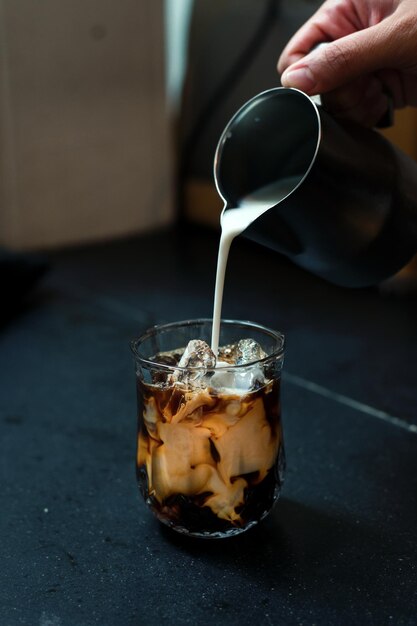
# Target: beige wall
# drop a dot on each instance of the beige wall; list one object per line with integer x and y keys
{"x": 84, "y": 149}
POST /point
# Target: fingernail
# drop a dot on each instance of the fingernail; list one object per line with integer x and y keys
{"x": 301, "y": 78}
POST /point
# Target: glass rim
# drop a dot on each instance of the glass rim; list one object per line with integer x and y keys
{"x": 154, "y": 330}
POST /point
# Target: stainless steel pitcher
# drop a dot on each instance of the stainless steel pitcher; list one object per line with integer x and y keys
{"x": 349, "y": 209}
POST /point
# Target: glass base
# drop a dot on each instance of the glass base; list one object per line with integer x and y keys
{"x": 231, "y": 531}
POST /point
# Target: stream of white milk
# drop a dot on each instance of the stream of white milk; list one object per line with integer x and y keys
{"x": 233, "y": 223}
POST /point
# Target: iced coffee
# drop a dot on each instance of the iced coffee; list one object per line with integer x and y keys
{"x": 210, "y": 454}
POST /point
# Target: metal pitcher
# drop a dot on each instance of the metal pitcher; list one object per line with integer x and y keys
{"x": 348, "y": 212}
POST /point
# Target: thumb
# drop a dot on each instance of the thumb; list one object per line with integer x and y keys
{"x": 341, "y": 61}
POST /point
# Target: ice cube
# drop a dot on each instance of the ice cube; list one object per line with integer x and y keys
{"x": 248, "y": 350}
{"x": 223, "y": 379}
{"x": 240, "y": 353}
{"x": 238, "y": 380}
{"x": 197, "y": 354}
{"x": 249, "y": 378}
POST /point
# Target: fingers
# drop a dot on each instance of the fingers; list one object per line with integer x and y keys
{"x": 328, "y": 23}
{"x": 364, "y": 101}
{"x": 332, "y": 21}
{"x": 301, "y": 44}
{"x": 364, "y": 38}
{"x": 341, "y": 61}
{"x": 367, "y": 99}
{"x": 393, "y": 82}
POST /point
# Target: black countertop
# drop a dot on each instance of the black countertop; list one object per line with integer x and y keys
{"x": 78, "y": 545}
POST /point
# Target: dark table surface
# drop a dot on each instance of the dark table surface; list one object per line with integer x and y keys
{"x": 78, "y": 546}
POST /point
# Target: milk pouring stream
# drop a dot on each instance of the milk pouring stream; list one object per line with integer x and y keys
{"x": 233, "y": 223}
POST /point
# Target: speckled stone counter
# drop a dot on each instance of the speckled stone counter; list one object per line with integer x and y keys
{"x": 79, "y": 547}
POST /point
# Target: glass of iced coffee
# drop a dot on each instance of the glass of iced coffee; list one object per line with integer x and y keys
{"x": 210, "y": 451}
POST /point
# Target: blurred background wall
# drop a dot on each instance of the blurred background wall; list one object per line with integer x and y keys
{"x": 84, "y": 137}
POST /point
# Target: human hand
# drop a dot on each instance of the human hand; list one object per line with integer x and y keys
{"x": 372, "y": 52}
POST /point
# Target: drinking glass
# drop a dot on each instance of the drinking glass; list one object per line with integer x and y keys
{"x": 210, "y": 450}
